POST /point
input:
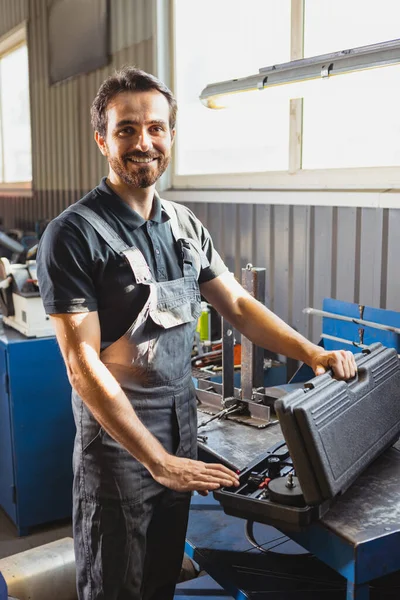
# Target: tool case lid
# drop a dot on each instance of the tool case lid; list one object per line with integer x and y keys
{"x": 335, "y": 429}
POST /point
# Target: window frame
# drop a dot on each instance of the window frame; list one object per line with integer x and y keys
{"x": 375, "y": 179}
{"x": 10, "y": 42}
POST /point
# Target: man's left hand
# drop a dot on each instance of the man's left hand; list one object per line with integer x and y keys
{"x": 342, "y": 363}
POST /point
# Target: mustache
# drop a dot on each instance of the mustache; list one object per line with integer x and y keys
{"x": 139, "y": 155}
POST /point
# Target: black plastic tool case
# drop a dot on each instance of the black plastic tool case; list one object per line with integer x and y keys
{"x": 333, "y": 430}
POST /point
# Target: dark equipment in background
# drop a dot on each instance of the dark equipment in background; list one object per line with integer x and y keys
{"x": 10, "y": 247}
{"x": 20, "y": 303}
{"x": 78, "y": 34}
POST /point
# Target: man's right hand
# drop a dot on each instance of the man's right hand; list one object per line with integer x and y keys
{"x": 186, "y": 475}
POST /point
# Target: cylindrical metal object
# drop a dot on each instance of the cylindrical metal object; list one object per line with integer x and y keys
{"x": 326, "y": 336}
{"x": 43, "y": 573}
{"x": 323, "y": 313}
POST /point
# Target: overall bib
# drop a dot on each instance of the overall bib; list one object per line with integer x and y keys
{"x": 129, "y": 530}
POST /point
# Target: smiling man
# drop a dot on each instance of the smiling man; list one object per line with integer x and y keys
{"x": 121, "y": 273}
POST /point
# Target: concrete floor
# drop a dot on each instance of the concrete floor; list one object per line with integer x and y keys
{"x": 10, "y": 543}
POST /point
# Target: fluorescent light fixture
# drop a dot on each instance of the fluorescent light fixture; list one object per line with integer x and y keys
{"x": 216, "y": 95}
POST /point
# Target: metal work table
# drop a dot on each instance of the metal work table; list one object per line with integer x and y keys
{"x": 360, "y": 536}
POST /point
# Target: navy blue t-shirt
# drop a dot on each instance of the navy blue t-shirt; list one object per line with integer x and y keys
{"x": 79, "y": 272}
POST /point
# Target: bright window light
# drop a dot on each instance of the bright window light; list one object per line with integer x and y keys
{"x": 352, "y": 120}
{"x": 15, "y": 127}
{"x": 340, "y": 24}
{"x": 231, "y": 39}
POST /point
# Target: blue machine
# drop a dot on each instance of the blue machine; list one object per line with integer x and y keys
{"x": 36, "y": 431}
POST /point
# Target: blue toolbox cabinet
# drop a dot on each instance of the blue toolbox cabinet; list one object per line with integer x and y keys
{"x": 36, "y": 431}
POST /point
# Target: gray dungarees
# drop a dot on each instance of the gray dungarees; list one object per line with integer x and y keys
{"x": 128, "y": 529}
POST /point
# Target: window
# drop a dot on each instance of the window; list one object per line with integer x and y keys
{"x": 352, "y": 120}
{"x": 231, "y": 39}
{"x": 332, "y": 26}
{"x": 338, "y": 132}
{"x": 15, "y": 129}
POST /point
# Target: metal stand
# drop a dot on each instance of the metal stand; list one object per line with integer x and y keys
{"x": 250, "y": 404}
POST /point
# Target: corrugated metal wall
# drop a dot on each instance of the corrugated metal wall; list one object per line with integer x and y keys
{"x": 12, "y": 13}
{"x": 65, "y": 155}
{"x": 66, "y": 161}
{"x": 311, "y": 253}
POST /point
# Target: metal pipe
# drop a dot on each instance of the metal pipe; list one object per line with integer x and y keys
{"x": 326, "y": 336}
{"x": 323, "y": 313}
{"x": 43, "y": 573}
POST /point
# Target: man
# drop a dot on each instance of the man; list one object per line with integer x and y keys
{"x": 121, "y": 274}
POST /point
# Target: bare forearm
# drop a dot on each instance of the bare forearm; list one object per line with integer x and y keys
{"x": 79, "y": 338}
{"x": 111, "y": 408}
{"x": 267, "y": 330}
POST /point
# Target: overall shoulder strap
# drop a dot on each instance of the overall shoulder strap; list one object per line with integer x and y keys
{"x": 179, "y": 235}
{"x": 132, "y": 254}
{"x": 177, "y": 231}
{"x": 171, "y": 212}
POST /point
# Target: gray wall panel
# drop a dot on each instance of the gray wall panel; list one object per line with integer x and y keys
{"x": 215, "y": 221}
{"x": 299, "y": 265}
{"x": 346, "y": 253}
{"x": 12, "y": 14}
{"x": 262, "y": 246}
{"x": 321, "y": 263}
{"x": 228, "y": 247}
{"x": 393, "y": 263}
{"x": 281, "y": 262}
{"x": 66, "y": 158}
{"x": 244, "y": 237}
{"x": 371, "y": 256}
{"x": 313, "y": 252}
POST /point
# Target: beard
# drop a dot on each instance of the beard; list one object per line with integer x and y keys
{"x": 139, "y": 177}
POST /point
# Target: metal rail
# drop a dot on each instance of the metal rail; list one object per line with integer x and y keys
{"x": 323, "y": 313}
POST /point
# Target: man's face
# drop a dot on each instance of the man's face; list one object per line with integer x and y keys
{"x": 139, "y": 140}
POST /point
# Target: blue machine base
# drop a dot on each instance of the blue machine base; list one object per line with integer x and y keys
{"x": 217, "y": 542}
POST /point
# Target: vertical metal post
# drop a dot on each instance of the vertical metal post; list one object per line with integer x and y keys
{"x": 357, "y": 591}
{"x": 252, "y": 372}
{"x": 227, "y": 360}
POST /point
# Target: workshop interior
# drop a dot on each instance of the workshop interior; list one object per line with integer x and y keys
{"x": 288, "y": 151}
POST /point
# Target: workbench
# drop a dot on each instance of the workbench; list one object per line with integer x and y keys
{"x": 359, "y": 538}
{"x": 36, "y": 431}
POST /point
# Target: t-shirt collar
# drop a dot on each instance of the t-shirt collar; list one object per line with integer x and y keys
{"x": 125, "y": 212}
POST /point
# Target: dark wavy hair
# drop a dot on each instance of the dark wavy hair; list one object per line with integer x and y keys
{"x": 128, "y": 79}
